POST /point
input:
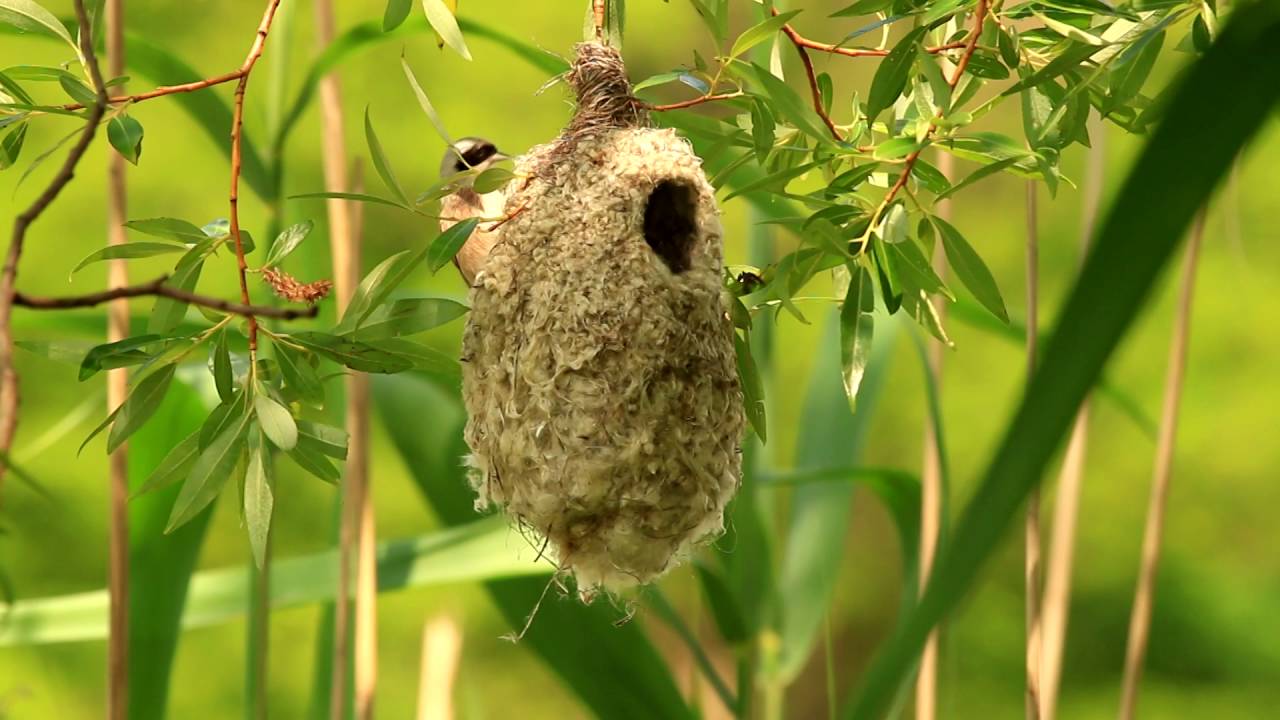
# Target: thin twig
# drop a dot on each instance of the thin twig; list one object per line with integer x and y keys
{"x": 931, "y": 489}
{"x": 697, "y": 101}
{"x": 117, "y": 391}
{"x": 801, "y": 41}
{"x": 1031, "y": 529}
{"x": 158, "y": 288}
{"x": 163, "y": 90}
{"x": 598, "y": 13}
{"x": 1143, "y": 597}
{"x": 814, "y": 90}
{"x": 1058, "y": 569}
{"x": 9, "y": 390}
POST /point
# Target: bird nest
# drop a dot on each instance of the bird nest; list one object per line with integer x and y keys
{"x": 599, "y": 376}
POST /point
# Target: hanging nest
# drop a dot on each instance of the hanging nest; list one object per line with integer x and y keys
{"x": 599, "y": 374}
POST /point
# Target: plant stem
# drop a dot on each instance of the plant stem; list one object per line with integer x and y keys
{"x": 1057, "y": 589}
{"x": 441, "y": 650}
{"x": 117, "y": 391}
{"x": 1031, "y": 567}
{"x": 931, "y": 490}
{"x": 1144, "y": 595}
{"x": 158, "y": 288}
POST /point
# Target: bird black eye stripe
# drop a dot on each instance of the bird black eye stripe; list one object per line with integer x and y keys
{"x": 476, "y": 155}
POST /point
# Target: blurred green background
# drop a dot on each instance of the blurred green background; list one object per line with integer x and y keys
{"x": 1215, "y": 649}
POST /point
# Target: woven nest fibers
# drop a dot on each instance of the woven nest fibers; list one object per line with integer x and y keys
{"x": 599, "y": 374}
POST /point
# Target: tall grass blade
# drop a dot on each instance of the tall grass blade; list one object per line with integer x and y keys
{"x": 1143, "y": 229}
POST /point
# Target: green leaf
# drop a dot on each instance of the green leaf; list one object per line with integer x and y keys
{"x": 286, "y": 242}
{"x": 125, "y": 135}
{"x": 830, "y": 435}
{"x": 11, "y": 146}
{"x": 762, "y": 130}
{"x": 425, "y": 103}
{"x": 1069, "y": 31}
{"x": 169, "y": 229}
{"x": 167, "y": 313}
{"x": 1141, "y": 233}
{"x": 259, "y": 497}
{"x": 790, "y": 106}
{"x": 210, "y": 472}
{"x": 968, "y": 266}
{"x": 139, "y": 406}
{"x": 492, "y": 179}
{"x": 752, "y": 388}
{"x": 276, "y": 421}
{"x": 1127, "y": 80}
{"x": 760, "y": 32}
{"x": 892, "y": 75}
{"x": 446, "y": 25}
{"x": 299, "y": 376}
{"x": 855, "y": 335}
{"x": 173, "y": 467}
{"x": 477, "y": 551}
{"x": 380, "y": 162}
{"x": 863, "y": 7}
{"x": 127, "y": 251}
{"x": 941, "y": 9}
{"x": 312, "y": 460}
{"x": 895, "y": 148}
{"x": 324, "y": 439}
{"x": 29, "y": 16}
{"x": 420, "y": 357}
{"x": 448, "y": 243}
{"x": 355, "y": 355}
{"x": 357, "y": 197}
{"x": 395, "y": 14}
{"x": 978, "y": 174}
{"x": 221, "y": 361}
{"x": 121, "y": 353}
{"x": 407, "y": 317}
{"x": 614, "y": 669}
{"x": 723, "y": 605}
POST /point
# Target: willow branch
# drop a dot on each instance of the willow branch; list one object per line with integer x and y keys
{"x": 714, "y": 97}
{"x": 814, "y": 90}
{"x": 9, "y": 273}
{"x": 158, "y": 288}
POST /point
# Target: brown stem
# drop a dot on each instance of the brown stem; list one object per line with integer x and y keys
{"x": 931, "y": 489}
{"x": 1144, "y": 596}
{"x": 9, "y": 399}
{"x": 598, "y": 16}
{"x": 696, "y": 101}
{"x": 158, "y": 288}
{"x": 1031, "y": 528}
{"x": 163, "y": 90}
{"x": 117, "y": 390}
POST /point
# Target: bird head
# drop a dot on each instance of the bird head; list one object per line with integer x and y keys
{"x": 469, "y": 153}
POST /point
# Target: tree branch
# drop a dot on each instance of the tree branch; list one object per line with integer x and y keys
{"x": 696, "y": 101}
{"x": 9, "y": 273}
{"x": 158, "y": 288}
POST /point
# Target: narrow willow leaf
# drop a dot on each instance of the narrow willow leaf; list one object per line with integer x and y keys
{"x": 355, "y": 355}
{"x": 324, "y": 439}
{"x": 220, "y": 361}
{"x": 968, "y": 266}
{"x": 425, "y": 103}
{"x": 173, "y": 467}
{"x": 492, "y": 179}
{"x": 222, "y": 417}
{"x": 446, "y": 25}
{"x": 380, "y": 162}
{"x": 125, "y": 135}
{"x": 139, "y": 406}
{"x": 895, "y": 148}
{"x": 1069, "y": 31}
{"x": 408, "y": 316}
{"x": 300, "y": 377}
{"x": 375, "y": 286}
{"x": 127, "y": 251}
{"x": 167, "y": 313}
{"x": 892, "y": 75}
{"x": 863, "y": 7}
{"x": 855, "y": 335}
{"x": 941, "y": 9}
{"x": 310, "y": 459}
{"x": 790, "y": 106}
{"x": 70, "y": 353}
{"x": 259, "y": 497}
{"x": 275, "y": 421}
{"x": 11, "y": 146}
{"x": 762, "y": 130}
{"x": 287, "y": 241}
{"x": 760, "y": 32}
{"x": 752, "y": 388}
{"x": 420, "y": 357}
{"x": 211, "y": 470}
{"x": 395, "y": 14}
{"x": 1140, "y": 234}
{"x": 478, "y": 551}
{"x": 29, "y": 16}
{"x": 724, "y": 607}
{"x": 357, "y": 197}
{"x": 448, "y": 243}
{"x": 169, "y": 229}
{"x": 977, "y": 175}
{"x": 121, "y": 353}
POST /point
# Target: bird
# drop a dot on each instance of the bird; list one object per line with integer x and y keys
{"x": 471, "y": 153}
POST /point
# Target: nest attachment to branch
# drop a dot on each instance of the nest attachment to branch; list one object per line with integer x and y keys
{"x": 599, "y": 374}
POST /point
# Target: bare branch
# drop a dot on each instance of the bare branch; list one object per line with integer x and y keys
{"x": 158, "y": 288}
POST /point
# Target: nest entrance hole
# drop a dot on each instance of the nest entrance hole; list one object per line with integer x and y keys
{"x": 670, "y": 223}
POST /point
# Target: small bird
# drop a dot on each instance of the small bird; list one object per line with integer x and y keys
{"x": 471, "y": 153}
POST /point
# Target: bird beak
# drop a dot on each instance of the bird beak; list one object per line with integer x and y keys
{"x": 500, "y": 156}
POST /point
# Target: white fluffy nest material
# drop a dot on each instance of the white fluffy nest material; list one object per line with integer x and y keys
{"x": 599, "y": 374}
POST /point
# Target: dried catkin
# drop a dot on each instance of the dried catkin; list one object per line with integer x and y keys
{"x": 599, "y": 376}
